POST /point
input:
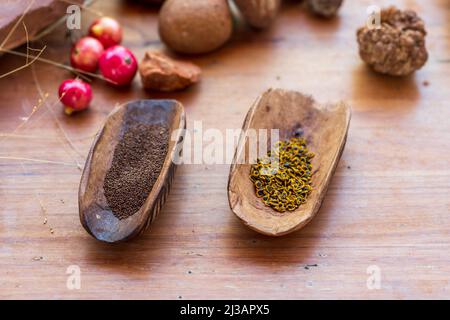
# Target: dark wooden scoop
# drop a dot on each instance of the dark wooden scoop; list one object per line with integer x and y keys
{"x": 95, "y": 214}
{"x": 325, "y": 128}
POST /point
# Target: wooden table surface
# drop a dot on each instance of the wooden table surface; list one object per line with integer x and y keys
{"x": 387, "y": 209}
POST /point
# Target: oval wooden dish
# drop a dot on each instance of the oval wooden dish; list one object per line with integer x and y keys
{"x": 95, "y": 214}
{"x": 325, "y": 129}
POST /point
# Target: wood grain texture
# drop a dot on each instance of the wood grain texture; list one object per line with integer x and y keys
{"x": 388, "y": 204}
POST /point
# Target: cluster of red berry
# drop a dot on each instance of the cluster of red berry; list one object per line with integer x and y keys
{"x": 102, "y": 50}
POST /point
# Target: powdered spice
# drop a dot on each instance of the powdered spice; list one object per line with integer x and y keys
{"x": 136, "y": 165}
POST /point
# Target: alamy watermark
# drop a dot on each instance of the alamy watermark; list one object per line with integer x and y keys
{"x": 213, "y": 146}
{"x": 374, "y": 280}
{"x": 373, "y": 17}
{"x": 73, "y": 21}
{"x": 73, "y": 281}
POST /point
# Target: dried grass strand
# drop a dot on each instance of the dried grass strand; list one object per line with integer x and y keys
{"x": 58, "y": 123}
{"x": 25, "y": 65}
{"x": 80, "y": 73}
{"x": 13, "y": 29}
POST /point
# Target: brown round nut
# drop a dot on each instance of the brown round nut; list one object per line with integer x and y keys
{"x": 195, "y": 26}
{"x": 324, "y": 8}
{"x": 397, "y": 47}
{"x": 259, "y": 13}
{"x": 162, "y": 73}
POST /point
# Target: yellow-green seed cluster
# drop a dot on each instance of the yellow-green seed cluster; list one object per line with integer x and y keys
{"x": 282, "y": 178}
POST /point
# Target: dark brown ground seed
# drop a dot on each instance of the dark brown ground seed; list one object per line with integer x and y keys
{"x": 137, "y": 162}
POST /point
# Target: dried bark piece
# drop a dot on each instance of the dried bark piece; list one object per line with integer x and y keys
{"x": 397, "y": 47}
{"x": 259, "y": 13}
{"x": 40, "y": 14}
{"x": 162, "y": 73}
{"x": 324, "y": 8}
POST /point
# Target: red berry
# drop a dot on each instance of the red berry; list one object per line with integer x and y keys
{"x": 119, "y": 65}
{"x": 75, "y": 95}
{"x": 86, "y": 53}
{"x": 107, "y": 30}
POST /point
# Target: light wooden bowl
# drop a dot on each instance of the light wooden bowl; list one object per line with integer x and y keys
{"x": 325, "y": 128}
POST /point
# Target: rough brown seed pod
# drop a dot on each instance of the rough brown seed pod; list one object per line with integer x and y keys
{"x": 397, "y": 46}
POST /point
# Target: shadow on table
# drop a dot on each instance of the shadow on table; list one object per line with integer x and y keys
{"x": 301, "y": 247}
{"x": 232, "y": 244}
{"x": 140, "y": 256}
{"x": 140, "y": 6}
{"x": 378, "y": 88}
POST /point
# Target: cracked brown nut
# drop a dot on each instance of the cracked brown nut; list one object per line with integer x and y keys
{"x": 397, "y": 47}
{"x": 162, "y": 73}
{"x": 259, "y": 13}
{"x": 324, "y": 8}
